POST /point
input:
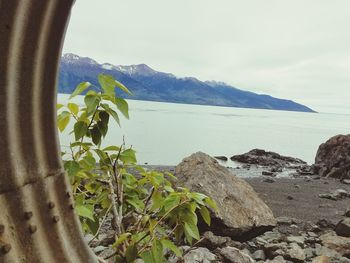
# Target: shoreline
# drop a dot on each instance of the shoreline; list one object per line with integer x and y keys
{"x": 294, "y": 197}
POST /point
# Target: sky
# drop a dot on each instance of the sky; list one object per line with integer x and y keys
{"x": 292, "y": 49}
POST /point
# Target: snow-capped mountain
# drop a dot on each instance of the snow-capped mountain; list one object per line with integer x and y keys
{"x": 149, "y": 84}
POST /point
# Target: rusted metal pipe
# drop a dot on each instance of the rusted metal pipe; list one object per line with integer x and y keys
{"x": 37, "y": 223}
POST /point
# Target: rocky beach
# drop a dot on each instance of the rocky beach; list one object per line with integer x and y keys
{"x": 271, "y": 208}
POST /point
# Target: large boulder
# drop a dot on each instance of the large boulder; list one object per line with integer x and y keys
{"x": 337, "y": 243}
{"x": 333, "y": 157}
{"x": 241, "y": 213}
{"x": 343, "y": 228}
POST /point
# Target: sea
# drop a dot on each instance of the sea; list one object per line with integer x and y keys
{"x": 165, "y": 133}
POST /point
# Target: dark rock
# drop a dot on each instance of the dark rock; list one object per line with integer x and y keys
{"x": 241, "y": 213}
{"x": 343, "y": 228}
{"x": 347, "y": 213}
{"x": 269, "y": 180}
{"x": 284, "y": 220}
{"x": 267, "y": 173}
{"x": 289, "y": 197}
{"x": 333, "y": 157}
{"x": 264, "y": 158}
{"x": 325, "y": 224}
{"x": 222, "y": 158}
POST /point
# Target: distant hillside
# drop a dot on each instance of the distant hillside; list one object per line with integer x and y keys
{"x": 148, "y": 84}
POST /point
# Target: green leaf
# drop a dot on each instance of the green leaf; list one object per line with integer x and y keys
{"x": 107, "y": 83}
{"x": 63, "y": 120}
{"x": 170, "y": 245}
{"x": 111, "y": 148}
{"x": 191, "y": 230}
{"x": 80, "y": 129}
{"x": 93, "y": 225}
{"x": 86, "y": 211}
{"x": 205, "y": 215}
{"x": 111, "y": 112}
{"x": 96, "y": 135}
{"x": 121, "y": 239}
{"x": 131, "y": 253}
{"x": 171, "y": 201}
{"x": 128, "y": 156}
{"x": 136, "y": 203}
{"x": 59, "y": 106}
{"x": 72, "y": 168}
{"x": 74, "y": 108}
{"x": 147, "y": 257}
{"x": 157, "y": 251}
{"x": 157, "y": 200}
{"x": 91, "y": 102}
{"x": 122, "y": 87}
{"x": 80, "y": 88}
{"x": 123, "y": 106}
{"x": 103, "y": 123}
{"x": 211, "y": 203}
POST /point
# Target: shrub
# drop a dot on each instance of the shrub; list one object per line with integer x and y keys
{"x": 149, "y": 215}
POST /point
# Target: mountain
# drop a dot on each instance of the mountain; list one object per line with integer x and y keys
{"x": 149, "y": 84}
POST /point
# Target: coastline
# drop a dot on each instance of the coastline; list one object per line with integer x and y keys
{"x": 292, "y": 197}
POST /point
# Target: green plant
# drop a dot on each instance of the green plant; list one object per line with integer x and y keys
{"x": 150, "y": 216}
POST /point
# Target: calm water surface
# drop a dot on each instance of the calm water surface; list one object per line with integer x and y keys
{"x": 165, "y": 133}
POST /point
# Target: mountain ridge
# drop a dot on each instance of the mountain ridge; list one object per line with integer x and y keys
{"x": 149, "y": 84}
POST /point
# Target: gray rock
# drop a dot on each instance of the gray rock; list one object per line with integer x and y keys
{"x": 270, "y": 237}
{"x": 200, "y": 254}
{"x": 300, "y": 240}
{"x": 343, "y": 228}
{"x": 278, "y": 259}
{"x": 295, "y": 253}
{"x": 344, "y": 260}
{"x": 290, "y": 251}
{"x": 259, "y": 255}
{"x": 309, "y": 253}
{"x": 321, "y": 259}
{"x": 346, "y": 181}
{"x": 240, "y": 210}
{"x": 336, "y": 195}
{"x": 234, "y": 255}
{"x": 212, "y": 241}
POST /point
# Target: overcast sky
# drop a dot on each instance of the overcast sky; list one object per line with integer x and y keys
{"x": 294, "y": 49}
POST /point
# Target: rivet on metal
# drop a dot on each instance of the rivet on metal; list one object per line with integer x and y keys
{"x": 55, "y": 219}
{"x": 51, "y": 205}
{"x": 5, "y": 248}
{"x": 28, "y": 215}
{"x": 33, "y": 229}
{"x": 2, "y": 229}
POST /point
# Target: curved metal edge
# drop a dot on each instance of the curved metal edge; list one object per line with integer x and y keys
{"x": 37, "y": 222}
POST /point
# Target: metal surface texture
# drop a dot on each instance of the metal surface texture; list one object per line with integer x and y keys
{"x": 37, "y": 219}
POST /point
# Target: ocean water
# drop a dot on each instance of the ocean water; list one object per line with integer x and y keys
{"x": 165, "y": 133}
